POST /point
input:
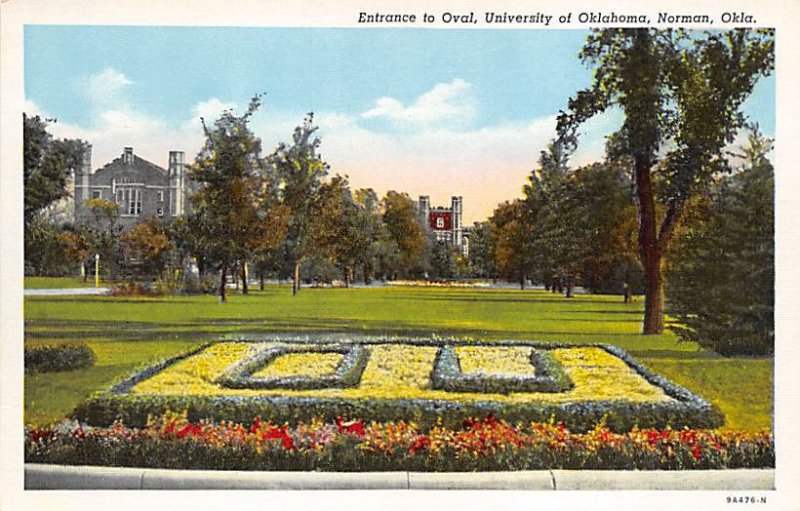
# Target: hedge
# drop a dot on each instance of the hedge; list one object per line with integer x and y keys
{"x": 58, "y": 357}
{"x": 549, "y": 376}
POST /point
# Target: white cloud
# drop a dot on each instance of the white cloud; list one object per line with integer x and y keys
{"x": 106, "y": 88}
{"x": 209, "y": 110}
{"x": 445, "y": 102}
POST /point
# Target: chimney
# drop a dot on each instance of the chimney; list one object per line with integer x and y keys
{"x": 127, "y": 156}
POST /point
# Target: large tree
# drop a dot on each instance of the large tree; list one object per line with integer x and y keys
{"x": 681, "y": 94}
{"x": 235, "y": 192}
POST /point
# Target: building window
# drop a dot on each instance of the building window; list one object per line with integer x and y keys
{"x": 440, "y": 223}
{"x": 96, "y": 194}
{"x": 160, "y": 196}
{"x": 131, "y": 201}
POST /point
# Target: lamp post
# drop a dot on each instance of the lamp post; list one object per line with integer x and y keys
{"x": 97, "y": 270}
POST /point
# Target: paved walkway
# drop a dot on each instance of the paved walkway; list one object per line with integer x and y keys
{"x": 52, "y": 477}
{"x": 67, "y": 291}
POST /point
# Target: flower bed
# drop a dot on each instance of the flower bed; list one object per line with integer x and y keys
{"x": 397, "y": 384}
{"x": 172, "y": 441}
{"x": 433, "y": 283}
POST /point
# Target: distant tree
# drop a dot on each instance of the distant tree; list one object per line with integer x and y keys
{"x": 549, "y": 213}
{"x": 442, "y": 261}
{"x": 681, "y": 96}
{"x": 406, "y": 230}
{"x": 721, "y": 280}
{"x": 335, "y": 227}
{"x": 481, "y": 261}
{"x": 301, "y": 171}
{"x": 371, "y": 229}
{"x": 102, "y": 232}
{"x": 149, "y": 244}
{"x": 511, "y": 231}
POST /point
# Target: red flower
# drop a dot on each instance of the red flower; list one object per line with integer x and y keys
{"x": 256, "y": 425}
{"x": 696, "y": 453}
{"x": 282, "y": 434}
{"x": 185, "y": 430}
{"x": 421, "y": 443}
{"x": 352, "y": 427}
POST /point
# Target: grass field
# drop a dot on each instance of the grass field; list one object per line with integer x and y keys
{"x": 128, "y": 332}
{"x": 58, "y": 282}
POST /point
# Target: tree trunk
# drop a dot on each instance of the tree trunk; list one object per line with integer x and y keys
{"x": 522, "y": 282}
{"x": 223, "y": 277}
{"x": 261, "y": 280}
{"x": 568, "y": 289}
{"x": 243, "y": 276}
{"x": 649, "y": 253}
{"x": 296, "y": 278}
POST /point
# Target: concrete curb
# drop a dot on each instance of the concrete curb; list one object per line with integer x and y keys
{"x": 63, "y": 477}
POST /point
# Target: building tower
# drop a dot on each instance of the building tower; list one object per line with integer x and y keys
{"x": 82, "y": 174}
{"x": 176, "y": 183}
{"x": 457, "y": 227}
{"x": 424, "y": 207}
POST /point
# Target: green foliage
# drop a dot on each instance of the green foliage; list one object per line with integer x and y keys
{"x": 512, "y": 237}
{"x": 300, "y": 170}
{"x": 60, "y": 357}
{"x": 47, "y": 164}
{"x": 235, "y": 211}
{"x": 721, "y": 286}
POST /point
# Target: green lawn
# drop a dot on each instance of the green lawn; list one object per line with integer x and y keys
{"x": 128, "y": 332}
{"x": 58, "y": 282}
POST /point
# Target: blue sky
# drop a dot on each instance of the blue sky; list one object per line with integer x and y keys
{"x": 427, "y": 111}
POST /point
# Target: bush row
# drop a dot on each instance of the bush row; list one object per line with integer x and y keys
{"x": 58, "y": 357}
{"x": 171, "y": 441}
{"x": 549, "y": 376}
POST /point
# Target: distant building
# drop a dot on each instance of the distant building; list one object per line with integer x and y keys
{"x": 445, "y": 223}
{"x": 140, "y": 188}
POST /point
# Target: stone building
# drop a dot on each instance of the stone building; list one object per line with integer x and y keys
{"x": 445, "y": 223}
{"x": 140, "y": 188}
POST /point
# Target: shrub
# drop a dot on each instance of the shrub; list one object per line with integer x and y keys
{"x": 133, "y": 289}
{"x": 447, "y": 375}
{"x": 721, "y": 281}
{"x": 63, "y": 357}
